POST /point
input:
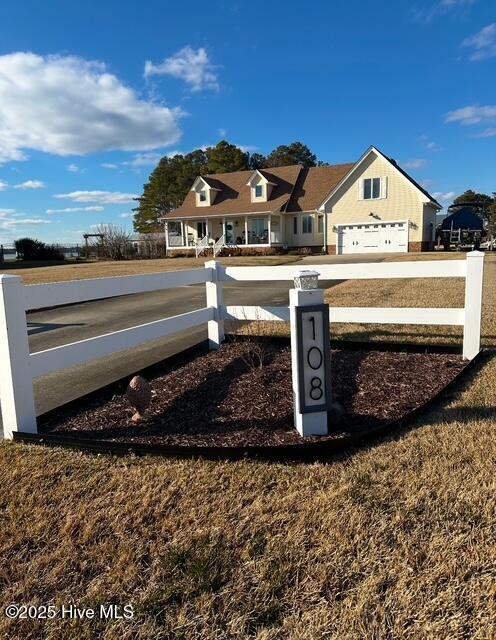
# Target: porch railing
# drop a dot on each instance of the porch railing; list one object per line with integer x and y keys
{"x": 201, "y": 245}
{"x": 219, "y": 244}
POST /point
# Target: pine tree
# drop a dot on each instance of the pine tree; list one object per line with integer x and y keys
{"x": 481, "y": 202}
{"x": 171, "y": 179}
{"x": 226, "y": 157}
{"x": 295, "y": 153}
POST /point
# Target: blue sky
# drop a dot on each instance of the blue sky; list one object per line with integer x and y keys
{"x": 92, "y": 93}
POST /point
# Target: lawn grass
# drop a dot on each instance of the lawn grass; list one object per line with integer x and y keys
{"x": 392, "y": 541}
{"x": 58, "y": 272}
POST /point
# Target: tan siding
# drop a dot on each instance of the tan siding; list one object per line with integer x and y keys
{"x": 314, "y": 239}
{"x": 403, "y": 201}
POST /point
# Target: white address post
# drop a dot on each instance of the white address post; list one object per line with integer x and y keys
{"x": 310, "y": 355}
{"x": 215, "y": 300}
{"x": 16, "y": 383}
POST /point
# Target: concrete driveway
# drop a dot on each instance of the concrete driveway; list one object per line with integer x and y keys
{"x": 348, "y": 259}
{"x": 54, "y": 327}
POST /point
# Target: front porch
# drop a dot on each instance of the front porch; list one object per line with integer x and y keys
{"x": 260, "y": 230}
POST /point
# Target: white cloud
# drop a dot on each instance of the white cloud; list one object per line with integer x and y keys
{"x": 427, "y": 12}
{"x": 483, "y": 43}
{"x": 31, "y": 184}
{"x": 25, "y": 221}
{"x": 417, "y": 163}
{"x": 74, "y": 209}
{"x": 102, "y": 197}
{"x": 71, "y": 106}
{"x": 444, "y": 197}
{"x": 192, "y": 66}
{"x": 11, "y": 218}
{"x": 3, "y": 185}
{"x": 247, "y": 148}
{"x": 73, "y": 168}
{"x": 430, "y": 145}
{"x": 126, "y": 215}
{"x": 109, "y": 165}
{"x": 144, "y": 159}
{"x": 427, "y": 183}
{"x": 473, "y": 114}
{"x": 490, "y": 132}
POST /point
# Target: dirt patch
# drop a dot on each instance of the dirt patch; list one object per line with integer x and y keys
{"x": 223, "y": 399}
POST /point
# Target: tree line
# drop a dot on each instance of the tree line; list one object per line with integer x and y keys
{"x": 171, "y": 179}
{"x": 484, "y": 205}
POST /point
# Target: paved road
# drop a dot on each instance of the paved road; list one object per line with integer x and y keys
{"x": 62, "y": 325}
{"x": 53, "y": 327}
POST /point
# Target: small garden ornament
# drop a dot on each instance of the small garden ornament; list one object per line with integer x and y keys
{"x": 139, "y": 394}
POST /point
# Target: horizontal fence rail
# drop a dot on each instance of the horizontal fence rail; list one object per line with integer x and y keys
{"x": 356, "y": 315}
{"x": 19, "y": 367}
{"x": 365, "y": 271}
{"x": 69, "y": 355}
{"x": 39, "y": 296}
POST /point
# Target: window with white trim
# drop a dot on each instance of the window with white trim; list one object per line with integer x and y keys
{"x": 371, "y": 188}
{"x": 258, "y": 191}
{"x": 306, "y": 224}
{"x": 202, "y": 196}
{"x": 320, "y": 224}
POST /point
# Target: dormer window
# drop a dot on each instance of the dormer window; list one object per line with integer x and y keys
{"x": 260, "y": 186}
{"x": 205, "y": 190}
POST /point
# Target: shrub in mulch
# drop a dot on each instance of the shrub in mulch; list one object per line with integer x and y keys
{"x": 224, "y": 399}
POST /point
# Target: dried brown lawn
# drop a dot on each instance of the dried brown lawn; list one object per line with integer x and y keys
{"x": 83, "y": 270}
{"x": 393, "y": 541}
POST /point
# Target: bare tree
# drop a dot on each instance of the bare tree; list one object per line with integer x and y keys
{"x": 115, "y": 238}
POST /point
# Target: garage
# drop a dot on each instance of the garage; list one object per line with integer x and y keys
{"x": 377, "y": 237}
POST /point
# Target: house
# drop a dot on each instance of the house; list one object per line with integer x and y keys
{"x": 369, "y": 206}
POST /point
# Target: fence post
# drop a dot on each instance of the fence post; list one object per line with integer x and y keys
{"x": 473, "y": 304}
{"x": 16, "y": 384}
{"x": 215, "y": 299}
{"x": 310, "y": 358}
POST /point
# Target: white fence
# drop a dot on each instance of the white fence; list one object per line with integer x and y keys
{"x": 19, "y": 367}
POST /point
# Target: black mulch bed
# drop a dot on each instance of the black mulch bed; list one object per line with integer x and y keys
{"x": 224, "y": 399}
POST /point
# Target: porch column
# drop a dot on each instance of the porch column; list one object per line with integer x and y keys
{"x": 182, "y": 232}
{"x": 268, "y": 230}
{"x": 325, "y": 232}
{"x": 166, "y": 231}
{"x": 224, "y": 228}
{"x": 206, "y": 228}
{"x": 246, "y": 229}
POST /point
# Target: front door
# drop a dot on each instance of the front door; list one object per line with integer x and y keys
{"x": 230, "y": 239}
{"x": 201, "y": 230}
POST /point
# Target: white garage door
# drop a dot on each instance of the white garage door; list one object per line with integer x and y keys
{"x": 380, "y": 237}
